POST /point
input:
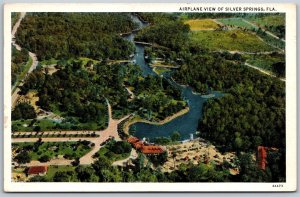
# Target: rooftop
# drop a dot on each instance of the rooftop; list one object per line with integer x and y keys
{"x": 37, "y": 169}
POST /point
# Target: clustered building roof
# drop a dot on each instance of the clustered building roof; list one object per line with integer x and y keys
{"x": 144, "y": 148}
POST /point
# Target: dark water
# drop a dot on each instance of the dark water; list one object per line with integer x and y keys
{"x": 185, "y": 124}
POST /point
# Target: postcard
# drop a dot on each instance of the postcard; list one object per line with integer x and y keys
{"x": 149, "y": 97}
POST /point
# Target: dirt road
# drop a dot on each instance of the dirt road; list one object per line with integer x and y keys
{"x": 263, "y": 71}
{"x": 15, "y": 96}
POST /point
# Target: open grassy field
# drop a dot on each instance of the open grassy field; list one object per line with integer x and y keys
{"x": 238, "y": 22}
{"x": 69, "y": 150}
{"x": 53, "y": 169}
{"x": 111, "y": 155}
{"x": 265, "y": 61}
{"x": 202, "y": 24}
{"x": 234, "y": 40}
{"x": 274, "y": 20}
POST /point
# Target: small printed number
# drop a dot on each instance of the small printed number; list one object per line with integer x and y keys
{"x": 277, "y": 185}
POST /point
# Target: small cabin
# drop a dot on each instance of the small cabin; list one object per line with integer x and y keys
{"x": 38, "y": 170}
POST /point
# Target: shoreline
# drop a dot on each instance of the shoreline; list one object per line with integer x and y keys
{"x": 164, "y": 121}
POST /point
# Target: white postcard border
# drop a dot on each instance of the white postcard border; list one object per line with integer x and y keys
{"x": 291, "y": 103}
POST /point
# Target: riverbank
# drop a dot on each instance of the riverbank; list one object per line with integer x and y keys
{"x": 137, "y": 119}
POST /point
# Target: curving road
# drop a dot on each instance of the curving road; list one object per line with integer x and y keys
{"x": 15, "y": 96}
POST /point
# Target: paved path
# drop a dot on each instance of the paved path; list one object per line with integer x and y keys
{"x": 133, "y": 155}
{"x": 130, "y": 93}
{"x": 110, "y": 131}
{"x": 15, "y": 96}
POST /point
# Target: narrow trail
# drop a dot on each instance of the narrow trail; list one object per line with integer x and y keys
{"x": 15, "y": 95}
{"x": 263, "y": 71}
{"x": 267, "y": 32}
{"x": 248, "y": 53}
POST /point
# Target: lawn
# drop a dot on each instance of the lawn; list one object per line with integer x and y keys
{"x": 265, "y": 61}
{"x": 70, "y": 150}
{"x": 160, "y": 70}
{"x": 51, "y": 125}
{"x": 110, "y": 150}
{"x": 202, "y": 24}
{"x": 236, "y": 22}
{"x": 234, "y": 40}
{"x": 275, "y": 20}
{"x": 53, "y": 169}
{"x": 29, "y": 125}
{"x": 111, "y": 155}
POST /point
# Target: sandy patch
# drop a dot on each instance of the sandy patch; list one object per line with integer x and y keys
{"x": 195, "y": 152}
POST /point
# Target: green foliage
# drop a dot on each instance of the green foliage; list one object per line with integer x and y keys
{"x": 232, "y": 40}
{"x": 115, "y": 150}
{"x": 66, "y": 35}
{"x": 44, "y": 151}
{"x": 252, "y": 101}
{"x": 249, "y": 171}
{"x": 18, "y": 63}
{"x": 276, "y": 164}
{"x": 158, "y": 159}
{"x": 162, "y": 140}
{"x": 265, "y": 61}
{"x": 23, "y": 111}
{"x": 38, "y": 179}
{"x": 272, "y": 22}
{"x": 23, "y": 157}
{"x": 14, "y": 18}
{"x": 171, "y": 34}
{"x": 119, "y": 147}
{"x": 175, "y": 136}
{"x": 86, "y": 174}
{"x": 65, "y": 176}
{"x": 44, "y": 158}
{"x": 279, "y": 69}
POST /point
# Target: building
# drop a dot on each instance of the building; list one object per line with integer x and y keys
{"x": 152, "y": 150}
{"x": 143, "y": 147}
{"x": 132, "y": 140}
{"x": 38, "y": 170}
{"x": 262, "y": 157}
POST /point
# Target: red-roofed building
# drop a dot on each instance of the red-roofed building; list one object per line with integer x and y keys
{"x": 152, "y": 150}
{"x": 262, "y": 157}
{"x": 132, "y": 140}
{"x": 144, "y": 148}
{"x": 138, "y": 145}
{"x": 38, "y": 170}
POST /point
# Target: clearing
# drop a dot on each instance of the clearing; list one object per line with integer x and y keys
{"x": 202, "y": 24}
{"x": 233, "y": 40}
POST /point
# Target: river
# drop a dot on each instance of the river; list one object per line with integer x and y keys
{"x": 186, "y": 124}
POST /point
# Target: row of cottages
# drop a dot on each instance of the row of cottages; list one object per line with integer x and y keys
{"x": 143, "y": 147}
{"x": 262, "y": 156}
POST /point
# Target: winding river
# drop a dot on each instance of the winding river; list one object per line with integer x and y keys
{"x": 185, "y": 124}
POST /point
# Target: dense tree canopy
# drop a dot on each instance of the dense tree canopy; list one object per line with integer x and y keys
{"x": 18, "y": 63}
{"x": 66, "y": 35}
{"x": 23, "y": 111}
